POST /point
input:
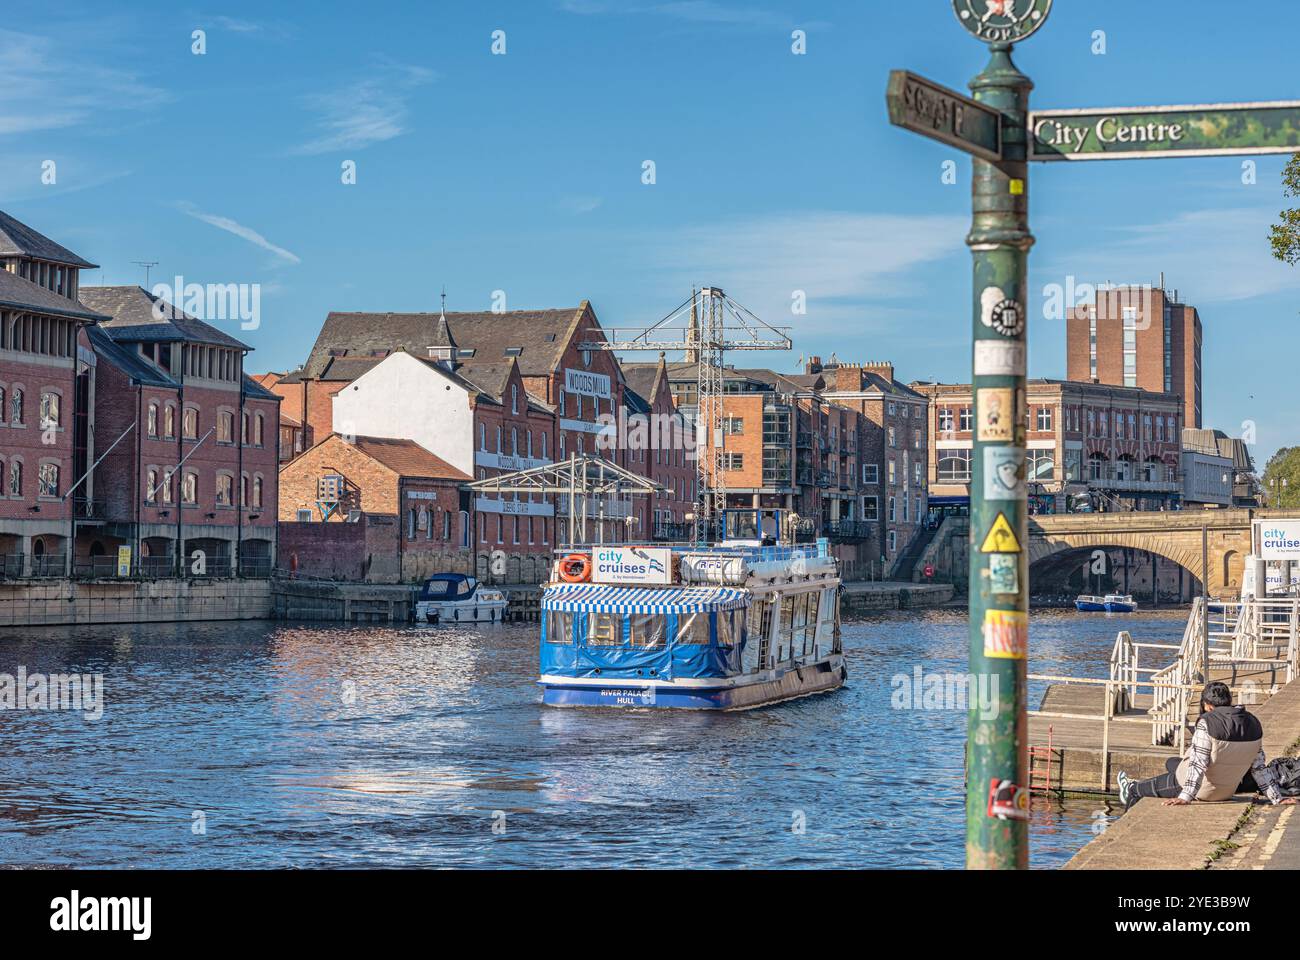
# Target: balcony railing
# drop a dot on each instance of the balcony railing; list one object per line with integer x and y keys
{"x": 843, "y": 530}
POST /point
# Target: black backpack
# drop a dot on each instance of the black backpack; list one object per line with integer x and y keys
{"x": 1286, "y": 771}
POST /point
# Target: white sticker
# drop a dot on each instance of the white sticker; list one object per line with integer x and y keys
{"x": 999, "y": 358}
{"x": 1004, "y": 473}
{"x": 1002, "y": 313}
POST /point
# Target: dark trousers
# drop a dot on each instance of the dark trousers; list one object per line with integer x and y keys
{"x": 1164, "y": 786}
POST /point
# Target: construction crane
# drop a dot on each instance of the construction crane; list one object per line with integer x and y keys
{"x": 703, "y": 328}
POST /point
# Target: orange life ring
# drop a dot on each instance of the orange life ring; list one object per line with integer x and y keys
{"x": 575, "y": 568}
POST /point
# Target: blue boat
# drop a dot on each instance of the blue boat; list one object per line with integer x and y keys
{"x": 1110, "y": 603}
{"x": 718, "y": 629}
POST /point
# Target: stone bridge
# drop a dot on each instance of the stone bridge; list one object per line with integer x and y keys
{"x": 1174, "y": 536}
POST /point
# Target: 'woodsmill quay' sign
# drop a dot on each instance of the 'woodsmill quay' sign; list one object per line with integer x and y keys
{"x": 924, "y": 107}
{"x": 1207, "y": 130}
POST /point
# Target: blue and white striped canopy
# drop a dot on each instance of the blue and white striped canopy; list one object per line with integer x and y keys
{"x": 601, "y": 598}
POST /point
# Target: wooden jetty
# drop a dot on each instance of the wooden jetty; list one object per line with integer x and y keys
{"x": 1087, "y": 729}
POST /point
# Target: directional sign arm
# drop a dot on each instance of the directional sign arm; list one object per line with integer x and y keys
{"x": 934, "y": 111}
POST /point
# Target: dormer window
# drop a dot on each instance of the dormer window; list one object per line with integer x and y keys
{"x": 440, "y": 353}
{"x": 514, "y": 351}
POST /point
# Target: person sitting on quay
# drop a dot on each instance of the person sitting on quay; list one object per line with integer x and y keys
{"x": 1226, "y": 747}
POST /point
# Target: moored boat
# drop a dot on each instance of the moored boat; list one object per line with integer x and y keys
{"x": 1110, "y": 603}
{"x": 456, "y": 598}
{"x": 722, "y": 628}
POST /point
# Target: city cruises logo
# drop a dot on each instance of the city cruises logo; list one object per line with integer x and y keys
{"x": 1002, "y": 20}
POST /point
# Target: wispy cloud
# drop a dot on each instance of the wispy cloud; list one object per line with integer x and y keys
{"x": 694, "y": 11}
{"x": 45, "y": 86}
{"x": 849, "y": 265}
{"x": 239, "y": 230}
{"x": 367, "y": 112}
{"x": 1213, "y": 255}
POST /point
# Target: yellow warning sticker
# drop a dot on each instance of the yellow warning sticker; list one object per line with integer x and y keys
{"x": 1001, "y": 538}
{"x": 1006, "y": 634}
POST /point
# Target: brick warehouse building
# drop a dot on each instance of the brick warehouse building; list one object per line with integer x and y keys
{"x": 893, "y": 453}
{"x": 1087, "y": 444}
{"x": 1138, "y": 337}
{"x": 355, "y": 481}
{"x": 669, "y": 459}
{"x": 47, "y": 391}
{"x": 195, "y": 443}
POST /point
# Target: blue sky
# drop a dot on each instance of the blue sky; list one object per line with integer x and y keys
{"x": 522, "y": 172}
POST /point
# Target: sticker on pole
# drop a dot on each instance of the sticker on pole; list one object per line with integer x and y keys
{"x": 1000, "y": 538}
{"x": 1006, "y": 634}
{"x": 1004, "y": 473}
{"x": 1002, "y": 313}
{"x": 995, "y": 411}
{"x": 1008, "y": 801}
{"x": 1004, "y": 573}
{"x": 999, "y": 358}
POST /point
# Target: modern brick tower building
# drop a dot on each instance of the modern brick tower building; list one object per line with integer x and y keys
{"x": 1138, "y": 337}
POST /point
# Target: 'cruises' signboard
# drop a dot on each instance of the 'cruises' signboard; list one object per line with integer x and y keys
{"x": 1278, "y": 539}
{"x": 1208, "y": 130}
{"x": 653, "y": 565}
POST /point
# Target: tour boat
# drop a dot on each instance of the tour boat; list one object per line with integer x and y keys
{"x": 1110, "y": 603}
{"x": 456, "y": 598}
{"x": 720, "y": 628}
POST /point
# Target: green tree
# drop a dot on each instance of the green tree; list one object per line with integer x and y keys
{"x": 1282, "y": 478}
{"x": 1286, "y": 235}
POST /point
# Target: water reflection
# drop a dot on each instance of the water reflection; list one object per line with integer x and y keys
{"x": 334, "y": 746}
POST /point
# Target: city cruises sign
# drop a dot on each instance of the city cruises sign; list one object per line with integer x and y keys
{"x": 652, "y": 565}
{"x": 1206, "y": 130}
{"x": 1001, "y": 21}
{"x": 1278, "y": 539}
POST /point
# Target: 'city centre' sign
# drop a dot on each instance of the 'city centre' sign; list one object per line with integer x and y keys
{"x": 1209, "y": 130}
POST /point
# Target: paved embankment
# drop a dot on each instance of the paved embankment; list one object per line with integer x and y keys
{"x": 1152, "y": 836}
{"x": 59, "y": 602}
{"x": 863, "y": 595}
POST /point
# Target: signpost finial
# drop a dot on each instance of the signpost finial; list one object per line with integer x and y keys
{"x": 1001, "y": 21}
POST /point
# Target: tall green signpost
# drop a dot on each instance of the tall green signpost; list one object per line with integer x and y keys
{"x": 1000, "y": 133}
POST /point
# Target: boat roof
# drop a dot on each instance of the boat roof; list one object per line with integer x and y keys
{"x": 603, "y": 598}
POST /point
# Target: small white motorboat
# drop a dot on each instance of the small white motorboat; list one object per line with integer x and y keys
{"x": 456, "y": 598}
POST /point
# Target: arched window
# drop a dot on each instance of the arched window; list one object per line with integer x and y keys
{"x": 1097, "y": 466}
{"x": 257, "y": 491}
{"x": 514, "y": 398}
{"x": 16, "y": 406}
{"x": 169, "y": 422}
{"x": 514, "y": 442}
{"x": 190, "y": 489}
{"x": 259, "y": 428}
{"x": 152, "y": 420}
{"x": 1042, "y": 467}
{"x": 544, "y": 436}
{"x": 190, "y": 424}
{"x": 51, "y": 410}
{"x": 225, "y": 427}
{"x": 151, "y": 486}
{"x": 2, "y": 405}
{"x": 482, "y": 436}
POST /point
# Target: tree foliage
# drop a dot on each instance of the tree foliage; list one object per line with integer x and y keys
{"x": 1283, "y": 465}
{"x": 1286, "y": 234}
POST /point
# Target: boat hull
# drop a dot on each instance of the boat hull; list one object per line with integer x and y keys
{"x": 1089, "y": 607}
{"x": 1113, "y": 607}
{"x": 736, "y": 693}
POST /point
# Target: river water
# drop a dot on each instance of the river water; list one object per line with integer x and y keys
{"x": 290, "y": 745}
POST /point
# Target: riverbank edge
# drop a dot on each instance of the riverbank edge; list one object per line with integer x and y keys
{"x": 863, "y": 596}
{"x": 1152, "y": 836}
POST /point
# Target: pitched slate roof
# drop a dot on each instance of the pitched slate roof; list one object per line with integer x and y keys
{"x": 20, "y": 294}
{"x": 256, "y": 391}
{"x": 19, "y": 240}
{"x": 643, "y": 378}
{"x": 131, "y": 310}
{"x": 541, "y": 336}
{"x": 127, "y": 360}
{"x": 407, "y": 458}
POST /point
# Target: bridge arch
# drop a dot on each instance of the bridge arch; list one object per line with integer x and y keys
{"x": 1062, "y": 571}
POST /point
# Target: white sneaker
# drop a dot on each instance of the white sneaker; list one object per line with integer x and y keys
{"x": 1126, "y": 785}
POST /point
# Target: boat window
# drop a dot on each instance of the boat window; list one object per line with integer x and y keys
{"x": 693, "y": 628}
{"x": 648, "y": 630}
{"x": 559, "y": 627}
{"x": 726, "y": 637}
{"x": 604, "y": 630}
{"x": 436, "y": 588}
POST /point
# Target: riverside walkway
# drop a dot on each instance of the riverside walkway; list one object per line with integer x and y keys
{"x": 1242, "y": 833}
{"x": 1087, "y": 729}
